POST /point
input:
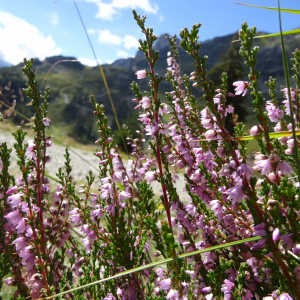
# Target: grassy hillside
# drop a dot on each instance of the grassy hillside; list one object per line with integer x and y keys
{"x": 72, "y": 83}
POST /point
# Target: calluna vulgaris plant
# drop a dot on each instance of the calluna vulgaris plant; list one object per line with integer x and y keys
{"x": 53, "y": 242}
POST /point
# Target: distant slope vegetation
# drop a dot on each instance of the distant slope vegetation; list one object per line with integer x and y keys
{"x": 72, "y": 83}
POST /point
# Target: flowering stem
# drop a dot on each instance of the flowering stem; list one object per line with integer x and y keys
{"x": 157, "y": 140}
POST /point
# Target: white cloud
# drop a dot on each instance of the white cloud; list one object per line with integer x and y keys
{"x": 88, "y": 62}
{"x": 54, "y": 18}
{"x": 131, "y": 42}
{"x": 106, "y": 37}
{"x": 106, "y": 11}
{"x": 123, "y": 54}
{"x": 91, "y": 31}
{"x": 109, "y": 61}
{"x": 161, "y": 18}
{"x": 23, "y": 40}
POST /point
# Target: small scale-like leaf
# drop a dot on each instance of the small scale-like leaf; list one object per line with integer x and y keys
{"x": 154, "y": 264}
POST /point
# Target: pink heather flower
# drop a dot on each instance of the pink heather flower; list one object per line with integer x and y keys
{"x": 260, "y": 244}
{"x": 165, "y": 284}
{"x": 275, "y": 234}
{"x": 21, "y": 226}
{"x": 221, "y": 151}
{"x": 273, "y": 158}
{"x": 259, "y": 230}
{"x": 290, "y": 144}
{"x": 248, "y": 296}
{"x": 173, "y": 295}
{"x": 28, "y": 257}
{"x": 151, "y": 129}
{"x": 264, "y": 166}
{"x": 284, "y": 168}
{"x": 169, "y": 61}
{"x": 244, "y": 171}
{"x": 229, "y": 110}
{"x": 274, "y": 112}
{"x": 287, "y": 240}
{"x": 15, "y": 200}
{"x": 146, "y": 102}
{"x": 75, "y": 217}
{"x": 227, "y": 287}
{"x": 160, "y": 273}
{"x": 70, "y": 253}
{"x": 30, "y": 150}
{"x": 284, "y": 296}
{"x": 236, "y": 194}
{"x": 163, "y": 109}
{"x": 207, "y": 123}
{"x": 141, "y": 74}
{"x": 210, "y": 134}
{"x": 124, "y": 195}
{"x": 9, "y": 281}
{"x": 254, "y": 130}
{"x": 150, "y": 176}
{"x": 241, "y": 87}
{"x": 12, "y": 190}
{"x": 206, "y": 290}
{"x": 110, "y": 209}
{"x": 86, "y": 244}
{"x": 46, "y": 121}
{"x": 36, "y": 283}
{"x": 272, "y": 177}
{"x": 14, "y": 217}
{"x": 285, "y": 90}
{"x": 20, "y": 243}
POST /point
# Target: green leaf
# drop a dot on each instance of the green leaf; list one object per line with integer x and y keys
{"x": 288, "y": 85}
{"x": 272, "y": 135}
{"x": 292, "y": 11}
{"x": 154, "y": 264}
{"x": 295, "y": 31}
{"x": 51, "y": 177}
{"x": 120, "y": 186}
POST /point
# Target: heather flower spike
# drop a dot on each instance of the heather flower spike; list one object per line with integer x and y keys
{"x": 223, "y": 224}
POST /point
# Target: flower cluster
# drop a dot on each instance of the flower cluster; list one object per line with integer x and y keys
{"x": 54, "y": 241}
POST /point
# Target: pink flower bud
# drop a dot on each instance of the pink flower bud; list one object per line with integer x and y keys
{"x": 254, "y": 130}
{"x": 272, "y": 177}
{"x": 275, "y": 234}
{"x": 141, "y": 74}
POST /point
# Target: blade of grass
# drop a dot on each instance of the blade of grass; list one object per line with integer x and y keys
{"x": 272, "y": 135}
{"x": 288, "y": 84}
{"x": 164, "y": 261}
{"x": 295, "y": 31}
{"x": 64, "y": 60}
{"x": 103, "y": 77}
{"x": 292, "y": 11}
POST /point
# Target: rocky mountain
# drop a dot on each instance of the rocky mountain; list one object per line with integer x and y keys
{"x": 72, "y": 83}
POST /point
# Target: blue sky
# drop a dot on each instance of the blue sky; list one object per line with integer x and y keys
{"x": 41, "y": 28}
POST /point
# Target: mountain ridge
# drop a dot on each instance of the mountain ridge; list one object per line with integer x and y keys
{"x": 72, "y": 83}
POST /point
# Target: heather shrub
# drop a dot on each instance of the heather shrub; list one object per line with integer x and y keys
{"x": 237, "y": 235}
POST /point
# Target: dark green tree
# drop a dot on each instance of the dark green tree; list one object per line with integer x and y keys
{"x": 232, "y": 64}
